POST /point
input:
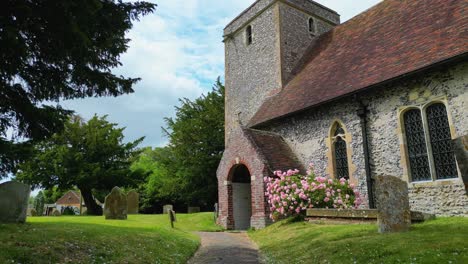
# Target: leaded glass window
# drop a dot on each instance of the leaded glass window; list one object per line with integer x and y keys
{"x": 416, "y": 144}
{"x": 341, "y": 159}
{"x": 441, "y": 142}
{"x": 340, "y": 153}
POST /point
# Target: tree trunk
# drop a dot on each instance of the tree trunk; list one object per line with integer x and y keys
{"x": 92, "y": 207}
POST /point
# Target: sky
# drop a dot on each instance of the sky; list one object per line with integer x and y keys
{"x": 178, "y": 53}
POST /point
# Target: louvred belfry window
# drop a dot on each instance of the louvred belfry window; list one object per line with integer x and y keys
{"x": 341, "y": 154}
{"x": 441, "y": 142}
{"x": 416, "y": 144}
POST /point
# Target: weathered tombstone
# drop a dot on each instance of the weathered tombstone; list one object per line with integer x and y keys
{"x": 14, "y": 198}
{"x": 394, "y": 213}
{"x": 56, "y": 212}
{"x": 167, "y": 207}
{"x": 460, "y": 147}
{"x": 115, "y": 205}
{"x": 194, "y": 209}
{"x": 133, "y": 202}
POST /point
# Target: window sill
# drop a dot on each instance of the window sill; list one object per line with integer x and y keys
{"x": 443, "y": 182}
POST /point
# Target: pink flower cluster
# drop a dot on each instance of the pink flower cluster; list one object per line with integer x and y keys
{"x": 290, "y": 193}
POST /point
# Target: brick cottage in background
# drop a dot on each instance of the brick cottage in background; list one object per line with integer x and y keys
{"x": 382, "y": 94}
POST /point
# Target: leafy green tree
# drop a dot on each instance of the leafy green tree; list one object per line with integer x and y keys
{"x": 39, "y": 202}
{"x": 162, "y": 185}
{"x": 51, "y": 195}
{"x": 53, "y": 50}
{"x": 196, "y": 140}
{"x": 89, "y": 155}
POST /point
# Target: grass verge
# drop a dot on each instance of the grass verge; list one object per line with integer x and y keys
{"x": 87, "y": 239}
{"x": 443, "y": 240}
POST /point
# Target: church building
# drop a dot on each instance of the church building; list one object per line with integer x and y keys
{"x": 383, "y": 94}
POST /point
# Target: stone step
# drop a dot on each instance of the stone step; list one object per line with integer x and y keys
{"x": 366, "y": 214}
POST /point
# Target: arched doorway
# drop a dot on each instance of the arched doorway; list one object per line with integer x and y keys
{"x": 241, "y": 197}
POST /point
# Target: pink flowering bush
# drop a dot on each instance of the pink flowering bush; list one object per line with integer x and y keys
{"x": 291, "y": 193}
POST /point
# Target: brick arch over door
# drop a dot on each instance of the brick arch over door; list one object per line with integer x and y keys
{"x": 243, "y": 152}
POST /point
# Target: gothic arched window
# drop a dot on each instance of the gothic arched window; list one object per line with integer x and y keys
{"x": 429, "y": 143}
{"x": 416, "y": 144}
{"x": 340, "y": 152}
{"x": 441, "y": 142}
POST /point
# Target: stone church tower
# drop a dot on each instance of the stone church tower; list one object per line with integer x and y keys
{"x": 263, "y": 46}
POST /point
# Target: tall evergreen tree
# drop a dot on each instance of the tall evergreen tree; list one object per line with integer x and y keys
{"x": 53, "y": 50}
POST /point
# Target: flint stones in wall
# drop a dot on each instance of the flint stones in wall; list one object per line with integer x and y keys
{"x": 115, "y": 205}
{"x": 133, "y": 201}
{"x": 167, "y": 208}
{"x": 460, "y": 147}
{"x": 394, "y": 213}
{"x": 14, "y": 198}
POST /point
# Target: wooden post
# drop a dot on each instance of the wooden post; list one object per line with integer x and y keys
{"x": 172, "y": 217}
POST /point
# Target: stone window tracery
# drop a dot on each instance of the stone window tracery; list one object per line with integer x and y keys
{"x": 428, "y": 143}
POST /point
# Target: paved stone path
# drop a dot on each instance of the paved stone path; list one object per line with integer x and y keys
{"x": 226, "y": 248}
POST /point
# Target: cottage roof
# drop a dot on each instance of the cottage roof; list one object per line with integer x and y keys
{"x": 390, "y": 40}
{"x": 276, "y": 152}
{"x": 71, "y": 197}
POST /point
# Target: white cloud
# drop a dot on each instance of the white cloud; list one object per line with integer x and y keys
{"x": 177, "y": 51}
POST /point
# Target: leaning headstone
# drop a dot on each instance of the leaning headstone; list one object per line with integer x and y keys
{"x": 14, "y": 198}
{"x": 393, "y": 211}
{"x": 192, "y": 210}
{"x": 460, "y": 147}
{"x": 115, "y": 205}
{"x": 133, "y": 201}
{"x": 167, "y": 208}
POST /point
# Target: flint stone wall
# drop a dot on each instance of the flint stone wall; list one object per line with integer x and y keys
{"x": 306, "y": 134}
{"x": 14, "y": 198}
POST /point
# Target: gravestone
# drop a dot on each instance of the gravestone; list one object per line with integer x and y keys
{"x": 167, "y": 207}
{"x": 393, "y": 211}
{"x": 460, "y": 147}
{"x": 115, "y": 205}
{"x": 194, "y": 209}
{"x": 14, "y": 198}
{"x": 56, "y": 212}
{"x": 133, "y": 202}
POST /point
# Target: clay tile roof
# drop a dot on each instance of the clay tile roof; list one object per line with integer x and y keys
{"x": 71, "y": 197}
{"x": 276, "y": 152}
{"x": 390, "y": 40}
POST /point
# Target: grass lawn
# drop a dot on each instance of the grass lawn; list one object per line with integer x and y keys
{"x": 86, "y": 239}
{"x": 444, "y": 240}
